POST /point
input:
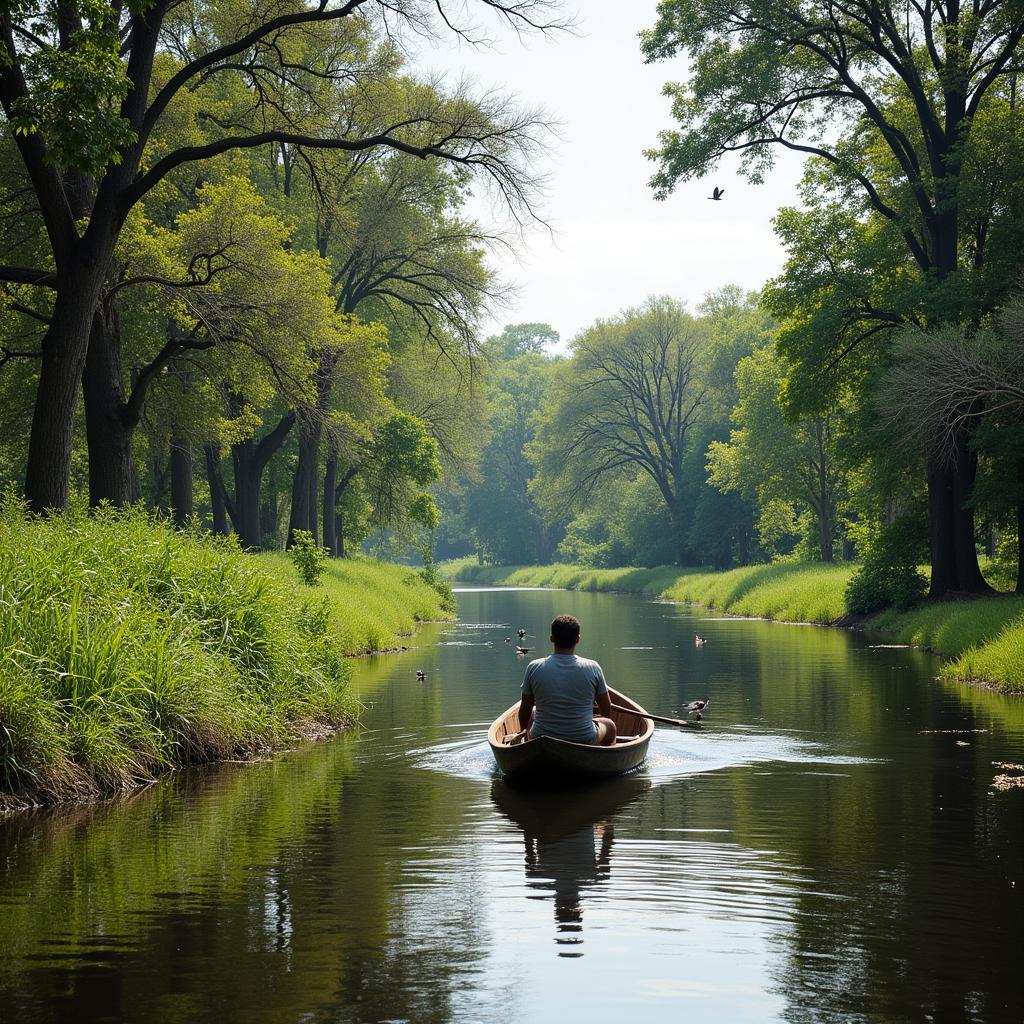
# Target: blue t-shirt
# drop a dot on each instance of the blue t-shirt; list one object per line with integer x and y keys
{"x": 564, "y": 687}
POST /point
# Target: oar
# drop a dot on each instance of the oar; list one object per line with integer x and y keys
{"x": 657, "y": 718}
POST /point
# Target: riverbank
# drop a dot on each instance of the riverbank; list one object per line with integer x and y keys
{"x": 128, "y": 649}
{"x": 982, "y": 640}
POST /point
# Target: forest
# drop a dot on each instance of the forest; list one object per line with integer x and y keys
{"x": 241, "y": 288}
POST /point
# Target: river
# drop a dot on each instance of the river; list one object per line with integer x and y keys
{"x": 830, "y": 847}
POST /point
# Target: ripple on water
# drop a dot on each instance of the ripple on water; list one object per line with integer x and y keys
{"x": 671, "y": 755}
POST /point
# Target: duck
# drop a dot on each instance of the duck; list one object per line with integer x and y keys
{"x": 696, "y": 707}
{"x": 699, "y": 640}
{"x": 420, "y": 674}
{"x": 522, "y": 634}
{"x": 508, "y": 639}
{"x": 522, "y": 650}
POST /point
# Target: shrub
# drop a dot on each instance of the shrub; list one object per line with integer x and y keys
{"x": 308, "y": 557}
{"x": 430, "y": 575}
{"x": 889, "y": 576}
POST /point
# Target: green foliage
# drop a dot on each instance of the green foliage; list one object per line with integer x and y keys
{"x": 521, "y": 340}
{"x": 888, "y": 576}
{"x": 129, "y": 648}
{"x": 625, "y": 405}
{"x": 624, "y": 525}
{"x": 75, "y": 90}
{"x": 308, "y": 557}
{"x": 425, "y": 512}
{"x": 430, "y": 575}
{"x": 498, "y": 511}
{"x": 787, "y": 466}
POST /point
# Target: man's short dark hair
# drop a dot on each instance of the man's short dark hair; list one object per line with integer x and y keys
{"x": 565, "y": 631}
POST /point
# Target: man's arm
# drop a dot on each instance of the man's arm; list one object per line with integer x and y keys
{"x": 525, "y": 710}
{"x": 604, "y": 704}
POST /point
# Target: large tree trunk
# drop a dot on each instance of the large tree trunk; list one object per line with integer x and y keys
{"x": 246, "y": 511}
{"x": 249, "y": 459}
{"x": 954, "y": 555}
{"x": 48, "y": 467}
{"x": 330, "y": 516}
{"x": 965, "y": 470}
{"x": 825, "y": 536}
{"x": 182, "y": 499}
{"x": 108, "y": 426}
{"x": 218, "y": 504}
{"x": 304, "y": 484}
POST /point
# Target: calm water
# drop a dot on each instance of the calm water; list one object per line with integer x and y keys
{"x": 829, "y": 848}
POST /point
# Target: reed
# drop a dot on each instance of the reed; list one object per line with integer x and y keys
{"x": 128, "y": 648}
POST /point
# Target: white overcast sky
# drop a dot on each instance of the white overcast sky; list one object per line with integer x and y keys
{"x": 614, "y": 244}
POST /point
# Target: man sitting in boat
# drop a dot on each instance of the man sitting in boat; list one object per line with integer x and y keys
{"x": 560, "y": 691}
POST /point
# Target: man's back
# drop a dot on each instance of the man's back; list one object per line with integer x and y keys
{"x": 564, "y": 687}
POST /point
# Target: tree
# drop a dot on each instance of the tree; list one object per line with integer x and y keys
{"x": 887, "y": 98}
{"x": 946, "y": 378}
{"x": 785, "y": 466}
{"x": 399, "y": 255}
{"x": 521, "y": 340}
{"x": 626, "y": 402}
{"x": 85, "y": 88}
{"x": 499, "y": 512}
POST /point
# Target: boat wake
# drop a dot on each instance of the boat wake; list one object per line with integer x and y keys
{"x": 671, "y": 755}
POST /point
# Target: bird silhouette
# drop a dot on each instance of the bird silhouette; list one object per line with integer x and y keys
{"x": 717, "y": 193}
{"x": 522, "y": 650}
{"x": 421, "y": 675}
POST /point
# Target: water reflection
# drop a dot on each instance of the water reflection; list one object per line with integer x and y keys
{"x": 829, "y": 849}
{"x": 568, "y": 835}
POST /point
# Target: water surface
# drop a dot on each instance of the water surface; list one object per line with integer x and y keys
{"x": 828, "y": 848}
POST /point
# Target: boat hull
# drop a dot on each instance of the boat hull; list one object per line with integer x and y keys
{"x": 554, "y": 760}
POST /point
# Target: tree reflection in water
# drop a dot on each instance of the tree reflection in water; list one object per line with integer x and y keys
{"x": 568, "y": 833}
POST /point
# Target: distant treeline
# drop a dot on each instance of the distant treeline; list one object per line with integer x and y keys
{"x": 671, "y": 437}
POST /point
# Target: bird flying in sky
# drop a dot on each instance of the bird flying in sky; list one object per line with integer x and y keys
{"x": 717, "y": 193}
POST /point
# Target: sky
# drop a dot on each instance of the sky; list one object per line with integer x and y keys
{"x": 613, "y": 243}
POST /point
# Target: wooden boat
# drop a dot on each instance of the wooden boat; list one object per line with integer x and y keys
{"x": 560, "y": 760}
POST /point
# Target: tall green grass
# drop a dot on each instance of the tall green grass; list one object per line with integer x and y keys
{"x": 373, "y": 604}
{"x": 792, "y": 592}
{"x": 128, "y": 648}
{"x": 984, "y": 639}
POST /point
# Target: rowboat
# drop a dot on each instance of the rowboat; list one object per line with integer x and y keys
{"x": 557, "y": 760}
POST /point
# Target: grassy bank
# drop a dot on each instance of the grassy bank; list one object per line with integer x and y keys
{"x": 127, "y": 649}
{"x": 983, "y": 640}
{"x": 794, "y": 592}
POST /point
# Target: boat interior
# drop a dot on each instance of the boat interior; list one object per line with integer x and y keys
{"x": 630, "y": 727}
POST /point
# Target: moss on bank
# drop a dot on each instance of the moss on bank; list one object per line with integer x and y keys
{"x": 127, "y": 649}
{"x": 983, "y": 639}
